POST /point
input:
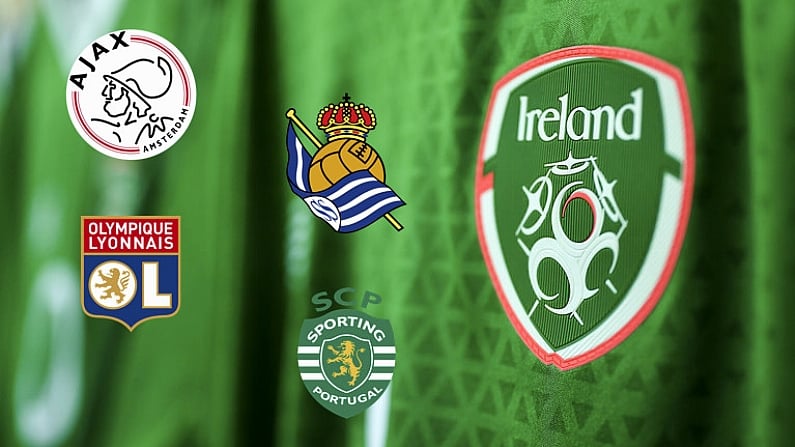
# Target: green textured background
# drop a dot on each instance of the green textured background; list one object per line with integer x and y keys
{"x": 710, "y": 366}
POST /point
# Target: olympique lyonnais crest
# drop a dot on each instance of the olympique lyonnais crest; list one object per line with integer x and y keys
{"x": 130, "y": 268}
{"x": 131, "y": 94}
{"x": 582, "y": 194}
{"x": 346, "y": 359}
{"x": 343, "y": 183}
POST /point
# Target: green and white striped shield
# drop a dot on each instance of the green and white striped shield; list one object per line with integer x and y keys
{"x": 346, "y": 359}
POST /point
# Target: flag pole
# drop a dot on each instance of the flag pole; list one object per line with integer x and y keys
{"x": 294, "y": 118}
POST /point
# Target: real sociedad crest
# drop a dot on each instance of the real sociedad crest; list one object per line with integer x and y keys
{"x": 343, "y": 184}
{"x": 582, "y": 195}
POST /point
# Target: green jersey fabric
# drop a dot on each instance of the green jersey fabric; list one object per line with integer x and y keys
{"x": 709, "y": 366}
{"x": 72, "y": 380}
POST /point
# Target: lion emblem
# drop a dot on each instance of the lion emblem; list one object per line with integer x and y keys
{"x": 345, "y": 355}
{"x": 115, "y": 283}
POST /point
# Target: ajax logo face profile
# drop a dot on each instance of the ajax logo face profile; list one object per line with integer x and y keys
{"x": 131, "y": 94}
{"x": 582, "y": 196}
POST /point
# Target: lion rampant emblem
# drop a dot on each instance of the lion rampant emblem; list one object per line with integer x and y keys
{"x": 115, "y": 283}
{"x": 345, "y": 355}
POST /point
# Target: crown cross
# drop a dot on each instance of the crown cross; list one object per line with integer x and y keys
{"x": 346, "y": 120}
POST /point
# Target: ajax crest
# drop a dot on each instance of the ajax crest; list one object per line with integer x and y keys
{"x": 130, "y": 268}
{"x": 346, "y": 358}
{"x": 343, "y": 182}
{"x": 582, "y": 196}
{"x": 131, "y": 94}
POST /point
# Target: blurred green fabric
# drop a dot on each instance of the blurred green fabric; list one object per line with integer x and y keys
{"x": 171, "y": 384}
{"x": 710, "y": 366}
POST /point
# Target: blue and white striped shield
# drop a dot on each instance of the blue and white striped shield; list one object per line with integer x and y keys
{"x": 353, "y": 203}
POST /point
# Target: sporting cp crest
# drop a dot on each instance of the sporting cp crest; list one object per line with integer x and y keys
{"x": 346, "y": 359}
{"x": 582, "y": 195}
{"x": 130, "y": 268}
{"x": 343, "y": 183}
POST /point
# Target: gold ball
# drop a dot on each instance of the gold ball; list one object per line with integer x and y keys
{"x": 341, "y": 157}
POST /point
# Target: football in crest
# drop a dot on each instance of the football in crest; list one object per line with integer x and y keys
{"x": 343, "y": 183}
{"x": 346, "y": 125}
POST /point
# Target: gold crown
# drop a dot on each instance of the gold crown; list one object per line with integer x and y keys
{"x": 346, "y": 120}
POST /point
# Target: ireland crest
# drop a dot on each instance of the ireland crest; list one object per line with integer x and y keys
{"x": 582, "y": 195}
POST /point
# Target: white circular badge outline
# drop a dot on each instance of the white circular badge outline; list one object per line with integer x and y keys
{"x": 138, "y": 37}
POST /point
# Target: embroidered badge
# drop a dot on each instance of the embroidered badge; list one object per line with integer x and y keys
{"x": 582, "y": 194}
